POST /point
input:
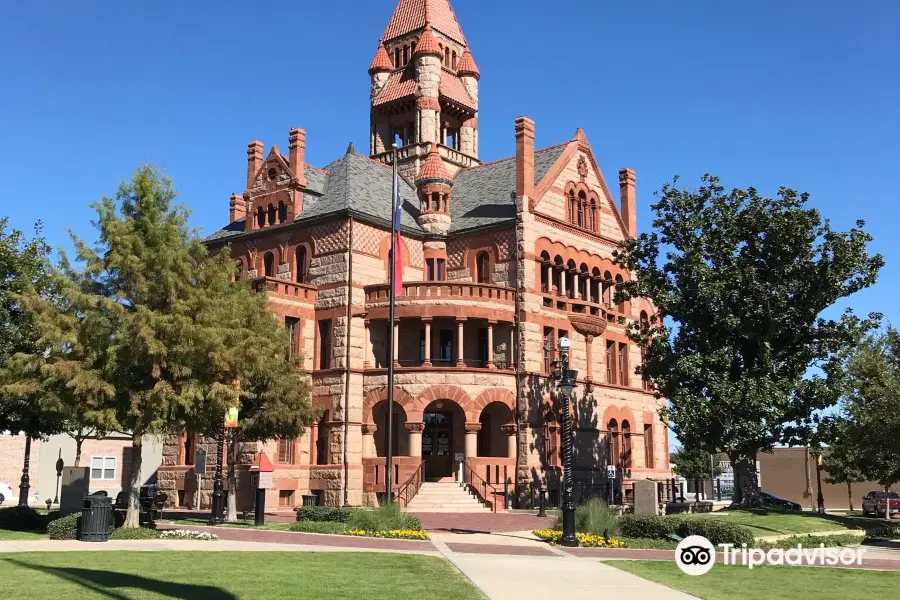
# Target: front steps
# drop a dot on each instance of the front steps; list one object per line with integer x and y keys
{"x": 449, "y": 497}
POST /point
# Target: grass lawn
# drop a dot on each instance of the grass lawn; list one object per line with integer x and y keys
{"x": 765, "y": 522}
{"x": 769, "y": 583}
{"x": 240, "y": 524}
{"x": 228, "y": 575}
{"x": 7, "y": 535}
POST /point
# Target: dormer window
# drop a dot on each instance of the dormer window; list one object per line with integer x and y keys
{"x": 272, "y": 173}
{"x": 582, "y": 208}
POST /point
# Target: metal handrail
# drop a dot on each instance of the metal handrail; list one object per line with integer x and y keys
{"x": 411, "y": 487}
{"x": 475, "y": 481}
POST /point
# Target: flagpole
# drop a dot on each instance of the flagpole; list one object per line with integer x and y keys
{"x": 389, "y": 470}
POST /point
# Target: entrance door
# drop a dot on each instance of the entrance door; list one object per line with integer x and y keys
{"x": 437, "y": 444}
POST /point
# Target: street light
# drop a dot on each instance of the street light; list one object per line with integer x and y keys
{"x": 820, "y": 499}
{"x": 566, "y": 378}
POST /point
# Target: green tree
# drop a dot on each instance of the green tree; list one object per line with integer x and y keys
{"x": 744, "y": 280}
{"x": 24, "y": 269}
{"x": 694, "y": 464}
{"x": 252, "y": 348}
{"x": 842, "y": 466}
{"x": 865, "y": 437}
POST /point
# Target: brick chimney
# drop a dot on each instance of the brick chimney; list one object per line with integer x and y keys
{"x": 628, "y": 199}
{"x": 237, "y": 208}
{"x": 297, "y": 159}
{"x": 254, "y": 160}
{"x": 524, "y": 157}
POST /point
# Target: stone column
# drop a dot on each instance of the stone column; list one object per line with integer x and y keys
{"x": 472, "y": 430}
{"x": 511, "y": 441}
{"x": 490, "y": 344}
{"x": 589, "y": 343}
{"x": 460, "y": 362}
{"x": 576, "y": 289}
{"x": 368, "y": 440}
{"x": 511, "y": 352}
{"x": 562, "y": 282}
{"x": 367, "y": 345}
{"x": 415, "y": 438}
{"x": 396, "y": 352}
{"x": 427, "y": 362}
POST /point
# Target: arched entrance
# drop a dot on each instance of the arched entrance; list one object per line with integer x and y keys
{"x": 492, "y": 440}
{"x": 443, "y": 438}
{"x": 400, "y": 435}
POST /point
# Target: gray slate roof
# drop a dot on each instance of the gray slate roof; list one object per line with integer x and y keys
{"x": 481, "y": 195}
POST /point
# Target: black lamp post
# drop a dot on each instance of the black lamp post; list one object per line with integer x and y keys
{"x": 820, "y": 499}
{"x": 25, "y": 482}
{"x": 567, "y": 379}
{"x": 218, "y": 496}
{"x": 59, "y": 469}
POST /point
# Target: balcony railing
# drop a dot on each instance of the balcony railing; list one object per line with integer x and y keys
{"x": 287, "y": 290}
{"x": 424, "y": 291}
{"x": 421, "y": 149}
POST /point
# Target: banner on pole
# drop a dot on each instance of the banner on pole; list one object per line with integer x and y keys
{"x": 231, "y": 418}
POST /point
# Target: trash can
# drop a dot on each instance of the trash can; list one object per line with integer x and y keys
{"x": 96, "y": 514}
{"x": 309, "y": 500}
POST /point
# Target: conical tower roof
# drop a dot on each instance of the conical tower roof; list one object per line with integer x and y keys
{"x": 428, "y": 44}
{"x": 410, "y": 16}
{"x": 467, "y": 65}
{"x": 382, "y": 62}
{"x": 433, "y": 167}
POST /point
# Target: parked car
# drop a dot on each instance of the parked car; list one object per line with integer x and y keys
{"x": 775, "y": 501}
{"x": 875, "y": 504}
{"x": 6, "y": 494}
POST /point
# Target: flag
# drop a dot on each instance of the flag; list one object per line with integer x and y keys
{"x": 398, "y": 246}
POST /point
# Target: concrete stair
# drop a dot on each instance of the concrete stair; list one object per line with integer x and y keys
{"x": 448, "y": 497}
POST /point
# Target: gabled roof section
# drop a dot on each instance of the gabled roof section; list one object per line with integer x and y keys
{"x": 409, "y": 16}
{"x": 481, "y": 195}
{"x": 453, "y": 89}
{"x": 401, "y": 84}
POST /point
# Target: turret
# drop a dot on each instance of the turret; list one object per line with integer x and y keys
{"x": 380, "y": 69}
{"x": 428, "y": 85}
{"x": 469, "y": 75}
{"x": 434, "y": 188}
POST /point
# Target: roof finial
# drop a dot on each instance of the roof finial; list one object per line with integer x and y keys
{"x": 351, "y": 149}
{"x": 427, "y": 15}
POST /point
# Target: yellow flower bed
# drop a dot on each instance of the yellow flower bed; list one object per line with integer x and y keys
{"x": 586, "y": 540}
{"x": 395, "y": 534}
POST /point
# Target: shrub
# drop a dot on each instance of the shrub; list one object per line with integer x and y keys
{"x": 594, "y": 517}
{"x": 386, "y": 518}
{"x": 811, "y": 541}
{"x": 134, "y": 533}
{"x": 886, "y": 532}
{"x": 22, "y": 518}
{"x": 65, "y": 528}
{"x": 187, "y": 534}
{"x": 319, "y": 527}
{"x": 394, "y": 534}
{"x": 331, "y": 514}
{"x": 717, "y": 531}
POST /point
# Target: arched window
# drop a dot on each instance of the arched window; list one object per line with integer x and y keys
{"x": 621, "y": 305}
{"x": 595, "y": 224}
{"x": 571, "y": 292}
{"x": 581, "y": 204}
{"x": 583, "y": 282}
{"x": 405, "y": 55}
{"x": 260, "y": 217}
{"x": 454, "y": 60}
{"x": 396, "y": 58}
{"x": 483, "y": 267}
{"x": 545, "y": 272}
{"x": 282, "y": 212}
{"x": 645, "y": 324}
{"x": 269, "y": 263}
{"x": 322, "y": 440}
{"x": 595, "y": 285}
{"x": 612, "y": 443}
{"x": 607, "y": 289}
{"x": 558, "y": 275}
{"x": 447, "y": 57}
{"x": 301, "y": 264}
{"x": 626, "y": 445}
{"x": 271, "y": 214}
{"x": 572, "y": 207}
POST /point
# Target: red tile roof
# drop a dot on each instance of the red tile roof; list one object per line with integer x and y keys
{"x": 433, "y": 167}
{"x": 428, "y": 44}
{"x": 400, "y": 85}
{"x": 453, "y": 89}
{"x": 467, "y": 65}
{"x": 409, "y": 16}
{"x": 381, "y": 62}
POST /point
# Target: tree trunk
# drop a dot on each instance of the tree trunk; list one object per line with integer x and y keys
{"x": 133, "y": 513}
{"x": 808, "y": 491}
{"x": 78, "y": 443}
{"x": 850, "y": 495}
{"x": 231, "y": 514}
{"x": 746, "y": 482}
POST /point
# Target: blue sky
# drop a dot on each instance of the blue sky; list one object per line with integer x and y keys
{"x": 803, "y": 94}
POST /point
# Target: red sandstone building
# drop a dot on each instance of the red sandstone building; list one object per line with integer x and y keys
{"x": 525, "y": 239}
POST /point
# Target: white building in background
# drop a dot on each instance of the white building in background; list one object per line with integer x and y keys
{"x": 108, "y": 458}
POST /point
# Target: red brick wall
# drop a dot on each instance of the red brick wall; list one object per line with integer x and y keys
{"x": 12, "y": 457}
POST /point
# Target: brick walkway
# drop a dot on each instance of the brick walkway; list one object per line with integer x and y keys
{"x": 483, "y": 522}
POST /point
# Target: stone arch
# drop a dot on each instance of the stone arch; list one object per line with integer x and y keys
{"x": 375, "y": 396}
{"x": 443, "y": 392}
{"x": 501, "y": 395}
{"x": 620, "y": 414}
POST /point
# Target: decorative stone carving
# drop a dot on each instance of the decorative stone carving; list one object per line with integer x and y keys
{"x": 473, "y": 427}
{"x": 369, "y": 428}
{"x": 588, "y": 325}
{"x": 582, "y": 168}
{"x": 509, "y": 429}
{"x": 415, "y": 427}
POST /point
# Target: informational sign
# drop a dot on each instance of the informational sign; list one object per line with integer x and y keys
{"x": 231, "y": 418}
{"x": 611, "y": 471}
{"x": 459, "y": 457}
{"x": 200, "y": 462}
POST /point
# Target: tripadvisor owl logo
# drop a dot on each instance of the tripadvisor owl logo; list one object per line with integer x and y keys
{"x": 695, "y": 555}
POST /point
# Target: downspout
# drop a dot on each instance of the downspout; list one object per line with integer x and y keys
{"x": 516, "y": 353}
{"x": 347, "y": 359}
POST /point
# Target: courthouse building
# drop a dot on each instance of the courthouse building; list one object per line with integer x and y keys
{"x": 500, "y": 260}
